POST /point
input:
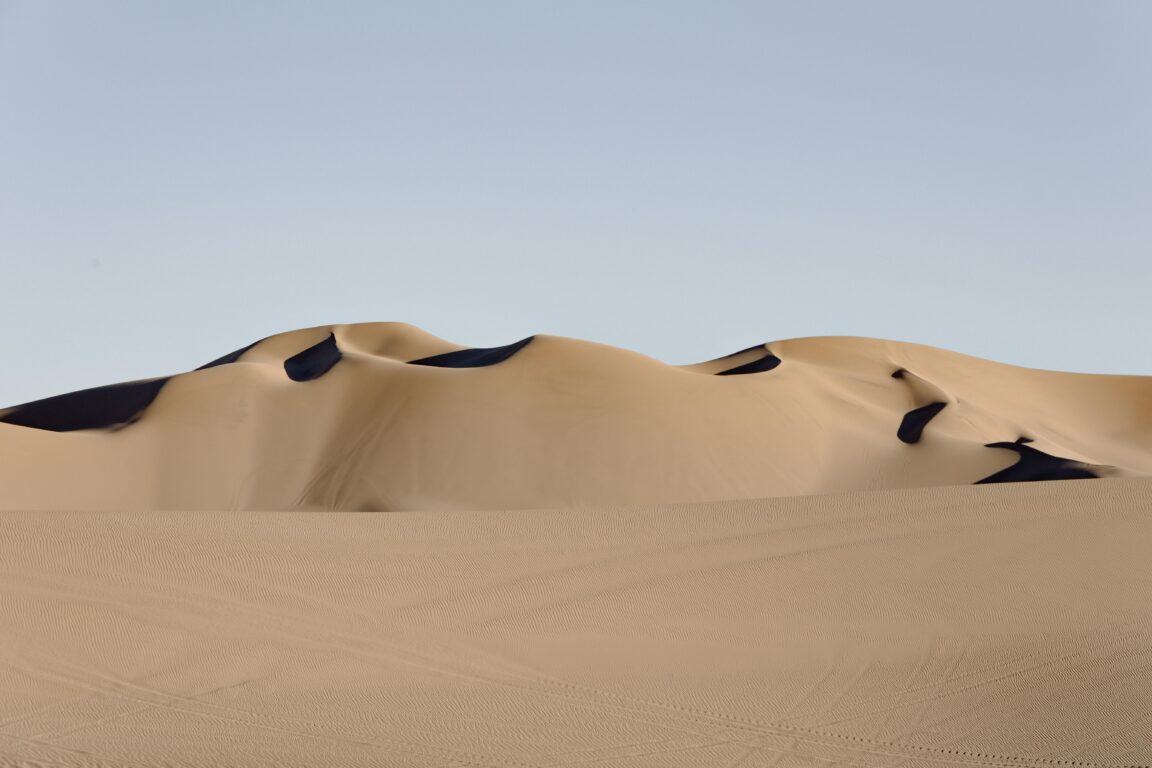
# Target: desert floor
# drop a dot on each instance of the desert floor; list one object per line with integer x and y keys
{"x": 997, "y": 625}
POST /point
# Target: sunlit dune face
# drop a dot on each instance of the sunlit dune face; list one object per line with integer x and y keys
{"x": 385, "y": 416}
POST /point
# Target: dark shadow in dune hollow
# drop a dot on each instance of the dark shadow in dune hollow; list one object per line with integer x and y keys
{"x": 912, "y": 425}
{"x": 1035, "y": 465}
{"x": 473, "y": 358}
{"x": 98, "y": 408}
{"x": 766, "y": 363}
{"x": 313, "y": 362}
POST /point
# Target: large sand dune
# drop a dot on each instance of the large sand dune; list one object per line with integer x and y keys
{"x": 809, "y": 553}
{"x": 386, "y": 417}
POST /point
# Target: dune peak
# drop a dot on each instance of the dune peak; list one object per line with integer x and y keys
{"x": 387, "y": 416}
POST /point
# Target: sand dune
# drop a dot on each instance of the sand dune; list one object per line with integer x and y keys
{"x": 809, "y": 553}
{"x": 386, "y": 417}
{"x": 1003, "y": 625}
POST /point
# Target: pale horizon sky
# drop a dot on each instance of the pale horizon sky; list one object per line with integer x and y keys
{"x": 683, "y": 179}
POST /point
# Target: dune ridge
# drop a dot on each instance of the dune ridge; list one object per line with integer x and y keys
{"x": 809, "y": 552}
{"x": 383, "y": 416}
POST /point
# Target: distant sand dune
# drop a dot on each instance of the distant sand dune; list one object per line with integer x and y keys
{"x": 813, "y": 552}
{"x": 386, "y": 417}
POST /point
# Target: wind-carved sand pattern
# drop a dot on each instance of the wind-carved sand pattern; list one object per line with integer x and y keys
{"x": 314, "y": 362}
{"x": 785, "y": 557}
{"x": 473, "y": 358}
{"x": 108, "y": 407}
{"x": 1036, "y": 465}
{"x": 766, "y": 362}
{"x": 934, "y": 400}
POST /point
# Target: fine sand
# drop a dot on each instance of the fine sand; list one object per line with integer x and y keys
{"x": 968, "y": 626}
{"x": 365, "y": 546}
{"x": 340, "y": 418}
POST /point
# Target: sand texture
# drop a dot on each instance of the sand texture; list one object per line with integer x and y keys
{"x": 364, "y": 546}
{"x": 969, "y": 626}
{"x": 340, "y": 418}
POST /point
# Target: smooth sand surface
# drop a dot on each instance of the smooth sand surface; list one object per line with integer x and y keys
{"x": 364, "y": 546}
{"x": 562, "y": 422}
{"x": 985, "y": 626}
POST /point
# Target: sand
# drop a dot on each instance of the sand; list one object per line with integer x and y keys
{"x": 338, "y": 418}
{"x": 440, "y": 583}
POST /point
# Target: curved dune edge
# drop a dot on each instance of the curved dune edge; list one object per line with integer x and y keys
{"x": 1001, "y": 625}
{"x": 810, "y": 552}
{"x": 383, "y": 416}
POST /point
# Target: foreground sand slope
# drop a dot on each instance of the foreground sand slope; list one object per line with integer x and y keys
{"x": 383, "y": 416}
{"x": 1001, "y": 625}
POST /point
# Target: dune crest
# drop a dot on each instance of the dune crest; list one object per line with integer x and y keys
{"x": 383, "y": 416}
{"x": 189, "y": 580}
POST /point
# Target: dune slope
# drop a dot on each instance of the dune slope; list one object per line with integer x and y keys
{"x": 386, "y": 417}
{"x": 810, "y": 552}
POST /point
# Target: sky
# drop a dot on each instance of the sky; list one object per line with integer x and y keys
{"x": 684, "y": 179}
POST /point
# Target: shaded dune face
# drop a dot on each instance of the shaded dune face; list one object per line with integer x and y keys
{"x": 473, "y": 358}
{"x": 912, "y": 425}
{"x": 314, "y": 362}
{"x": 107, "y": 407}
{"x": 760, "y": 365}
{"x": 384, "y": 416}
{"x": 1036, "y": 465}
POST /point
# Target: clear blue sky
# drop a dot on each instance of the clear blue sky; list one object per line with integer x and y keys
{"x": 680, "y": 178}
